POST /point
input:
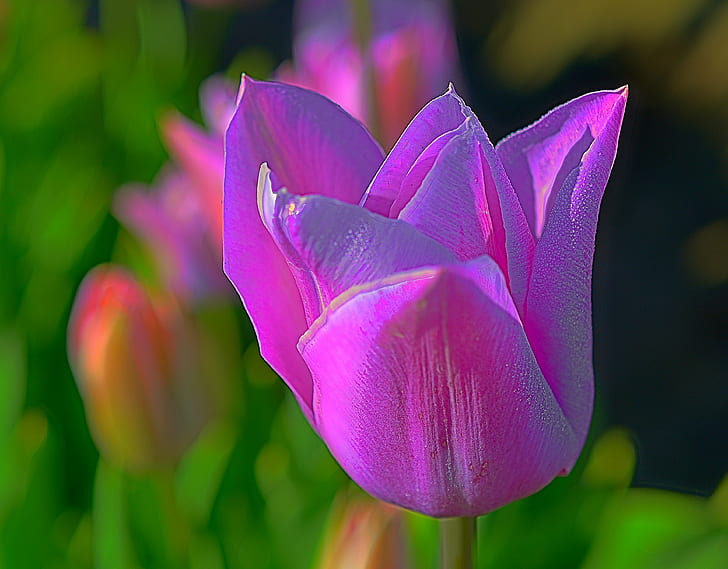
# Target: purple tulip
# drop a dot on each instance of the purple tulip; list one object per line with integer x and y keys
{"x": 430, "y": 310}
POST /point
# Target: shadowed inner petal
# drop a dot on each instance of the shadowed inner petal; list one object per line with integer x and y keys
{"x": 439, "y": 117}
{"x": 419, "y": 170}
{"x": 451, "y": 204}
{"x": 548, "y": 176}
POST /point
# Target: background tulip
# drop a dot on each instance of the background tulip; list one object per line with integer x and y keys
{"x": 180, "y": 217}
{"x": 364, "y": 534}
{"x": 381, "y": 66}
{"x": 138, "y": 370}
{"x": 433, "y": 319}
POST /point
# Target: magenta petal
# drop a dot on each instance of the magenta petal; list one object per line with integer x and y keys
{"x": 314, "y": 147}
{"x": 558, "y": 305}
{"x": 419, "y": 170}
{"x": 508, "y": 220}
{"x": 428, "y": 394}
{"x": 466, "y": 202}
{"x": 539, "y": 157}
{"x": 439, "y": 116}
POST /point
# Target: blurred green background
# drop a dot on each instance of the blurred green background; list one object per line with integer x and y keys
{"x": 82, "y": 86}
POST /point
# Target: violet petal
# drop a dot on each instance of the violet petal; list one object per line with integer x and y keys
{"x": 314, "y": 147}
{"x": 583, "y": 134}
{"x": 434, "y": 400}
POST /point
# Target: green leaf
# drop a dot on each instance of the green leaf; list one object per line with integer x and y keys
{"x": 200, "y": 473}
{"x": 12, "y": 382}
{"x": 647, "y": 528}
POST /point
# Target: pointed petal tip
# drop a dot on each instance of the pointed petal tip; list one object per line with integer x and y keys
{"x": 248, "y": 81}
{"x": 450, "y": 92}
{"x": 453, "y": 92}
{"x": 620, "y": 103}
{"x": 244, "y": 80}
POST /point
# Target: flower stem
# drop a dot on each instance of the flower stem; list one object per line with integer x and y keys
{"x": 177, "y": 528}
{"x": 362, "y": 14}
{"x": 457, "y": 543}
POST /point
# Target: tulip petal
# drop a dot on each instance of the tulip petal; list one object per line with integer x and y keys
{"x": 439, "y": 116}
{"x": 434, "y": 400}
{"x": 314, "y": 147}
{"x": 451, "y": 203}
{"x": 578, "y": 142}
{"x": 333, "y": 246}
{"x": 459, "y": 191}
{"x": 419, "y": 170}
{"x": 509, "y": 222}
{"x": 539, "y": 157}
{"x": 451, "y": 185}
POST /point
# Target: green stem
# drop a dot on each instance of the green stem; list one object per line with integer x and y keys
{"x": 175, "y": 519}
{"x": 362, "y": 14}
{"x": 457, "y": 543}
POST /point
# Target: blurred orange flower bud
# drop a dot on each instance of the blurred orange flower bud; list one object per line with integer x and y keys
{"x": 365, "y": 534}
{"x": 138, "y": 369}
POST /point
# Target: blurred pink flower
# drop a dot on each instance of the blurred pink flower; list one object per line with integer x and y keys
{"x": 136, "y": 362}
{"x": 180, "y": 216}
{"x": 410, "y": 58}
